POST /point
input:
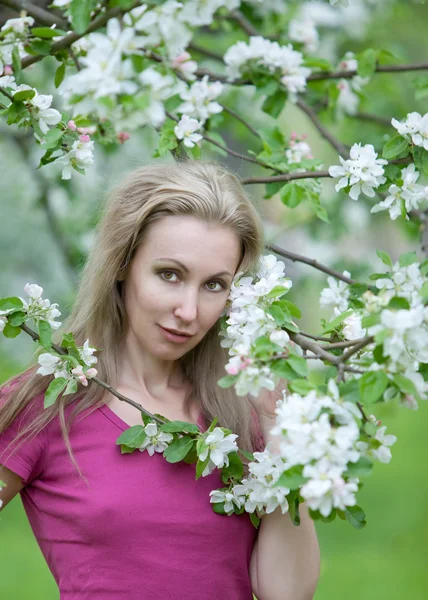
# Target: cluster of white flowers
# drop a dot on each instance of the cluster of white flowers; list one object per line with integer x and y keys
{"x": 404, "y": 331}
{"x": 414, "y": 129}
{"x": 283, "y": 61}
{"x": 405, "y": 197}
{"x": 309, "y": 438}
{"x": 12, "y": 34}
{"x": 199, "y": 103}
{"x": 304, "y": 32}
{"x": 362, "y": 172}
{"x": 35, "y": 308}
{"x": 59, "y": 366}
{"x": 216, "y": 447}
{"x": 81, "y": 156}
{"x": 248, "y": 319}
{"x": 259, "y": 491}
{"x": 298, "y": 149}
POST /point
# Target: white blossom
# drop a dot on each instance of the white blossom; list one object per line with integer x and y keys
{"x": 186, "y": 130}
{"x": 298, "y": 150}
{"x": 304, "y": 32}
{"x": 81, "y": 156}
{"x": 3, "y": 321}
{"x": 228, "y": 497}
{"x": 199, "y": 99}
{"x": 156, "y": 441}
{"x": 408, "y": 196}
{"x": 383, "y": 452}
{"x": 86, "y": 354}
{"x": 337, "y": 293}
{"x": 217, "y": 446}
{"x": 51, "y": 364}
{"x": 362, "y": 172}
{"x": 414, "y": 129}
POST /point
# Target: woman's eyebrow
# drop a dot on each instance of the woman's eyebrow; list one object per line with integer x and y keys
{"x": 186, "y": 270}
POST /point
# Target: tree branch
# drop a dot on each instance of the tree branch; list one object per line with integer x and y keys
{"x": 40, "y": 14}
{"x": 311, "y": 262}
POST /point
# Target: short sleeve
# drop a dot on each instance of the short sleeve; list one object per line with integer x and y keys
{"x": 26, "y": 458}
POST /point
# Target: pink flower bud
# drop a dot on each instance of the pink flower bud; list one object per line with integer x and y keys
{"x": 293, "y": 135}
{"x": 72, "y": 125}
{"x": 83, "y": 130}
{"x": 180, "y": 59}
{"x": 231, "y": 370}
{"x": 8, "y": 70}
{"x": 379, "y": 423}
{"x": 84, "y": 138}
{"x": 123, "y": 136}
{"x": 91, "y": 373}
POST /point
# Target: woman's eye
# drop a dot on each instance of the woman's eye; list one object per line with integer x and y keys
{"x": 168, "y": 275}
{"x": 212, "y": 286}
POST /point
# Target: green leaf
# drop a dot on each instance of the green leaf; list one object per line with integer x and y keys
{"x": 367, "y": 62}
{"x": 397, "y": 303}
{"x": 372, "y": 386}
{"x": 167, "y": 139}
{"x": 11, "y": 303}
{"x": 55, "y": 388}
{"x": 274, "y": 103}
{"x": 370, "y": 320}
{"x": 235, "y": 469}
{"x": 227, "y": 381}
{"x": 420, "y": 157}
{"x": 60, "y": 74}
{"x": 16, "y": 63}
{"x": 52, "y": 138}
{"x": 292, "y": 194}
{"x": 24, "y": 95}
{"x": 361, "y": 468}
{"x": 47, "y": 32}
{"x": 301, "y": 386}
{"x": 248, "y": 455}
{"x": 80, "y": 11}
{"x": 384, "y": 257}
{"x": 273, "y": 138}
{"x": 278, "y": 314}
{"x": 200, "y": 466}
{"x": 218, "y": 507}
{"x": 395, "y": 146}
{"x": 179, "y": 427}
{"x": 10, "y": 331}
{"x": 298, "y": 364}
{"x": 424, "y": 290}
{"x": 277, "y": 292}
{"x": 293, "y": 508}
{"x": 356, "y": 516}
{"x": 408, "y": 258}
{"x": 406, "y": 385}
{"x": 254, "y": 520}
{"x": 321, "y": 63}
{"x": 283, "y": 369}
{"x": 71, "y": 387}
{"x": 370, "y": 428}
{"x": 132, "y": 437}
{"x": 178, "y": 449}
{"x": 17, "y": 318}
{"x": 45, "y": 334}
{"x": 39, "y": 47}
{"x": 291, "y": 479}
{"x": 350, "y": 391}
{"x": 292, "y": 308}
{"x": 337, "y": 321}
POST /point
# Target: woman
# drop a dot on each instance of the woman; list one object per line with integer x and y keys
{"x": 115, "y": 526}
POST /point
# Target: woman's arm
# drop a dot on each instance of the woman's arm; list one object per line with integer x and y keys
{"x": 285, "y": 561}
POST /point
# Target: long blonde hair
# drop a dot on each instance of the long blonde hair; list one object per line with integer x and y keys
{"x": 203, "y": 189}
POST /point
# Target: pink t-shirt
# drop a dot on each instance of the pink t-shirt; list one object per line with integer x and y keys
{"x": 138, "y": 529}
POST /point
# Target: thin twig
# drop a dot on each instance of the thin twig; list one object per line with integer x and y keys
{"x": 360, "y": 406}
{"x": 63, "y": 352}
{"x": 325, "y": 133}
{"x": 364, "y": 342}
{"x": 243, "y": 121}
{"x": 206, "y": 52}
{"x": 311, "y": 262}
{"x": 243, "y": 22}
{"x": 344, "y": 344}
{"x": 286, "y": 176}
{"x": 379, "y": 69}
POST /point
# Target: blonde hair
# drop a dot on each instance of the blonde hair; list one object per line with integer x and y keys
{"x": 203, "y": 189}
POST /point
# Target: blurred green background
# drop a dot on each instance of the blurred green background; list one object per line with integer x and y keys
{"x": 46, "y": 228}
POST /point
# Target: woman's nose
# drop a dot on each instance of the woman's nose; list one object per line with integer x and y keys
{"x": 187, "y": 306}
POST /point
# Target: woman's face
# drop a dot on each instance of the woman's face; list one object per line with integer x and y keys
{"x": 178, "y": 283}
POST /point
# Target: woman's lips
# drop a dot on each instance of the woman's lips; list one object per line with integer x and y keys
{"x": 174, "y": 337}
